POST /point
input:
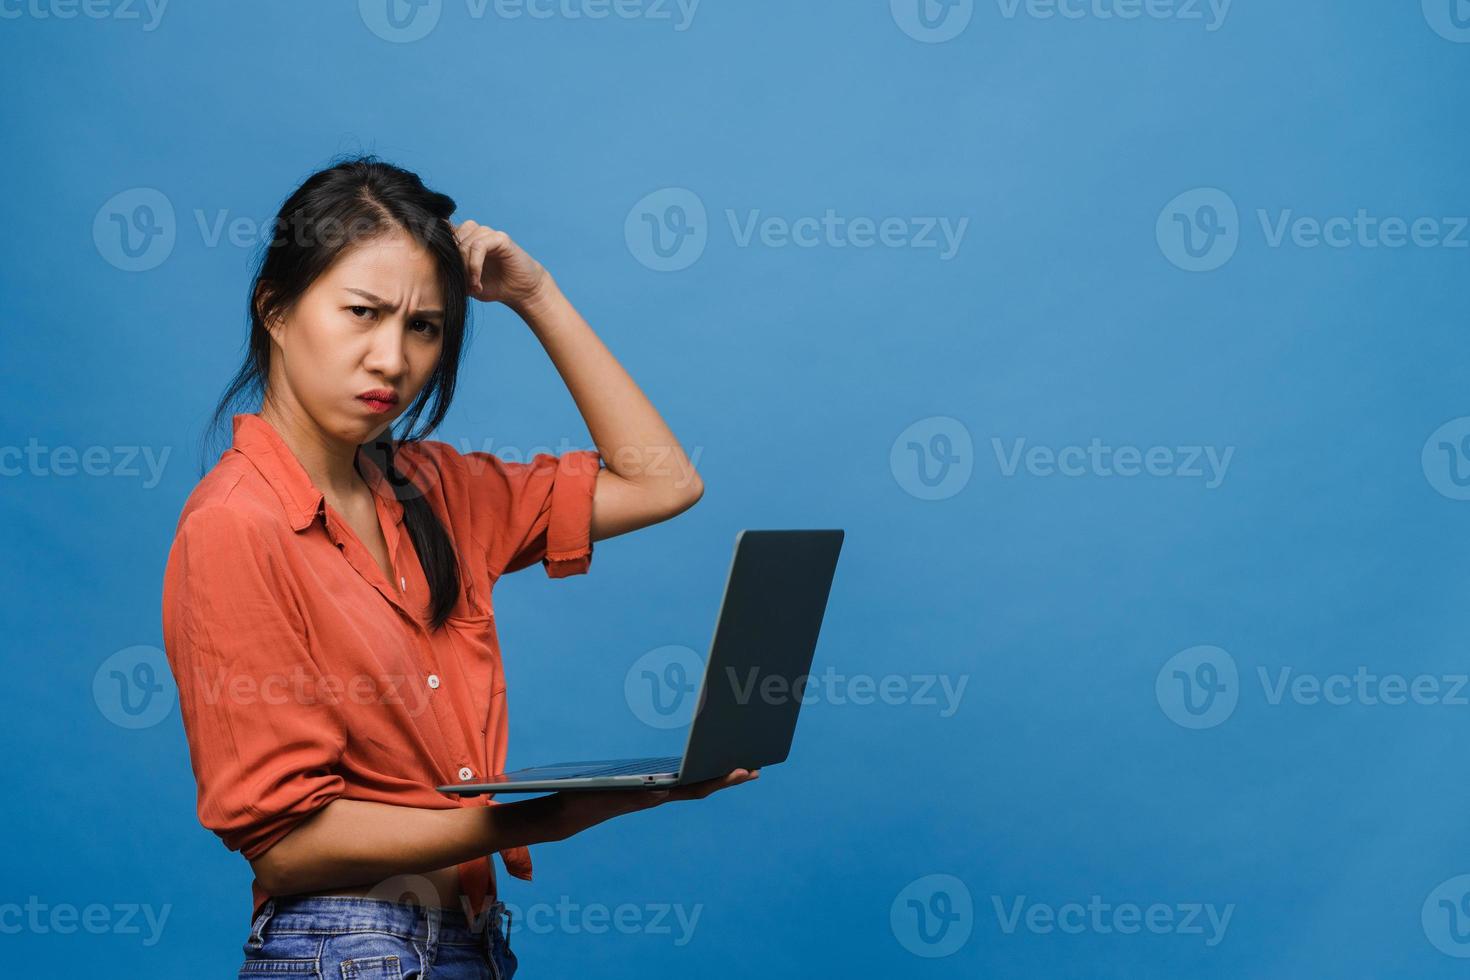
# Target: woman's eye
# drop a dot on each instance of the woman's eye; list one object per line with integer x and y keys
{"x": 428, "y": 327}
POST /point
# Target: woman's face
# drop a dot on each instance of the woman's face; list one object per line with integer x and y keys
{"x": 373, "y": 322}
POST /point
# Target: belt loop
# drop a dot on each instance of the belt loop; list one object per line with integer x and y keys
{"x": 432, "y": 916}
{"x": 257, "y": 928}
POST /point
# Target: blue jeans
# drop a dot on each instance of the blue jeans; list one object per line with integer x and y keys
{"x": 338, "y": 937}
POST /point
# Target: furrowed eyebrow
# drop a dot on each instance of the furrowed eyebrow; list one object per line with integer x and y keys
{"x": 383, "y": 302}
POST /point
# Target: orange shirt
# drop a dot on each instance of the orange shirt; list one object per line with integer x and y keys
{"x": 305, "y": 676}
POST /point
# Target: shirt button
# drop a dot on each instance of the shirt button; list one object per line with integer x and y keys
{"x": 466, "y": 774}
{"x": 403, "y": 584}
{"x": 434, "y": 681}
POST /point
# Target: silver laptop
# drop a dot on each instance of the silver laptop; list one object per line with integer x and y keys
{"x": 754, "y": 678}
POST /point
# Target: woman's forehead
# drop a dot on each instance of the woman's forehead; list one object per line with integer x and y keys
{"x": 398, "y": 266}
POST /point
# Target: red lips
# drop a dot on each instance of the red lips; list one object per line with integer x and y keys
{"x": 379, "y": 399}
{"x": 380, "y": 395}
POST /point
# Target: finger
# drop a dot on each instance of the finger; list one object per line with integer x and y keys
{"x": 729, "y": 779}
{"x": 703, "y": 788}
{"x": 475, "y": 261}
{"x": 497, "y": 240}
{"x": 649, "y": 798}
{"x": 470, "y": 229}
{"x": 485, "y": 244}
{"x": 500, "y": 250}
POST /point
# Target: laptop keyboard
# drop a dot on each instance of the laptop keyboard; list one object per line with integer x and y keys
{"x": 664, "y": 764}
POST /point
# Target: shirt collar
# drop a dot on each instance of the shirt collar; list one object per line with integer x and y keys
{"x": 260, "y": 443}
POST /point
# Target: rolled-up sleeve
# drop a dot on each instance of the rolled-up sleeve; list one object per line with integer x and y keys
{"x": 543, "y": 510}
{"x": 264, "y": 727}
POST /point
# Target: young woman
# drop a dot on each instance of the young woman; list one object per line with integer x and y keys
{"x": 327, "y": 604}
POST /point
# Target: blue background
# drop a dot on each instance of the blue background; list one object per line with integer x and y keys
{"x": 1330, "y": 545}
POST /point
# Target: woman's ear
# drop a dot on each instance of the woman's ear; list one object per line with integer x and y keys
{"x": 263, "y": 294}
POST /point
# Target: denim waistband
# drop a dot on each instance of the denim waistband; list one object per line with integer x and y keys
{"x": 332, "y": 914}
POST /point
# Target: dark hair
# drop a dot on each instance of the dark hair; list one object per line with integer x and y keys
{"x": 352, "y": 202}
